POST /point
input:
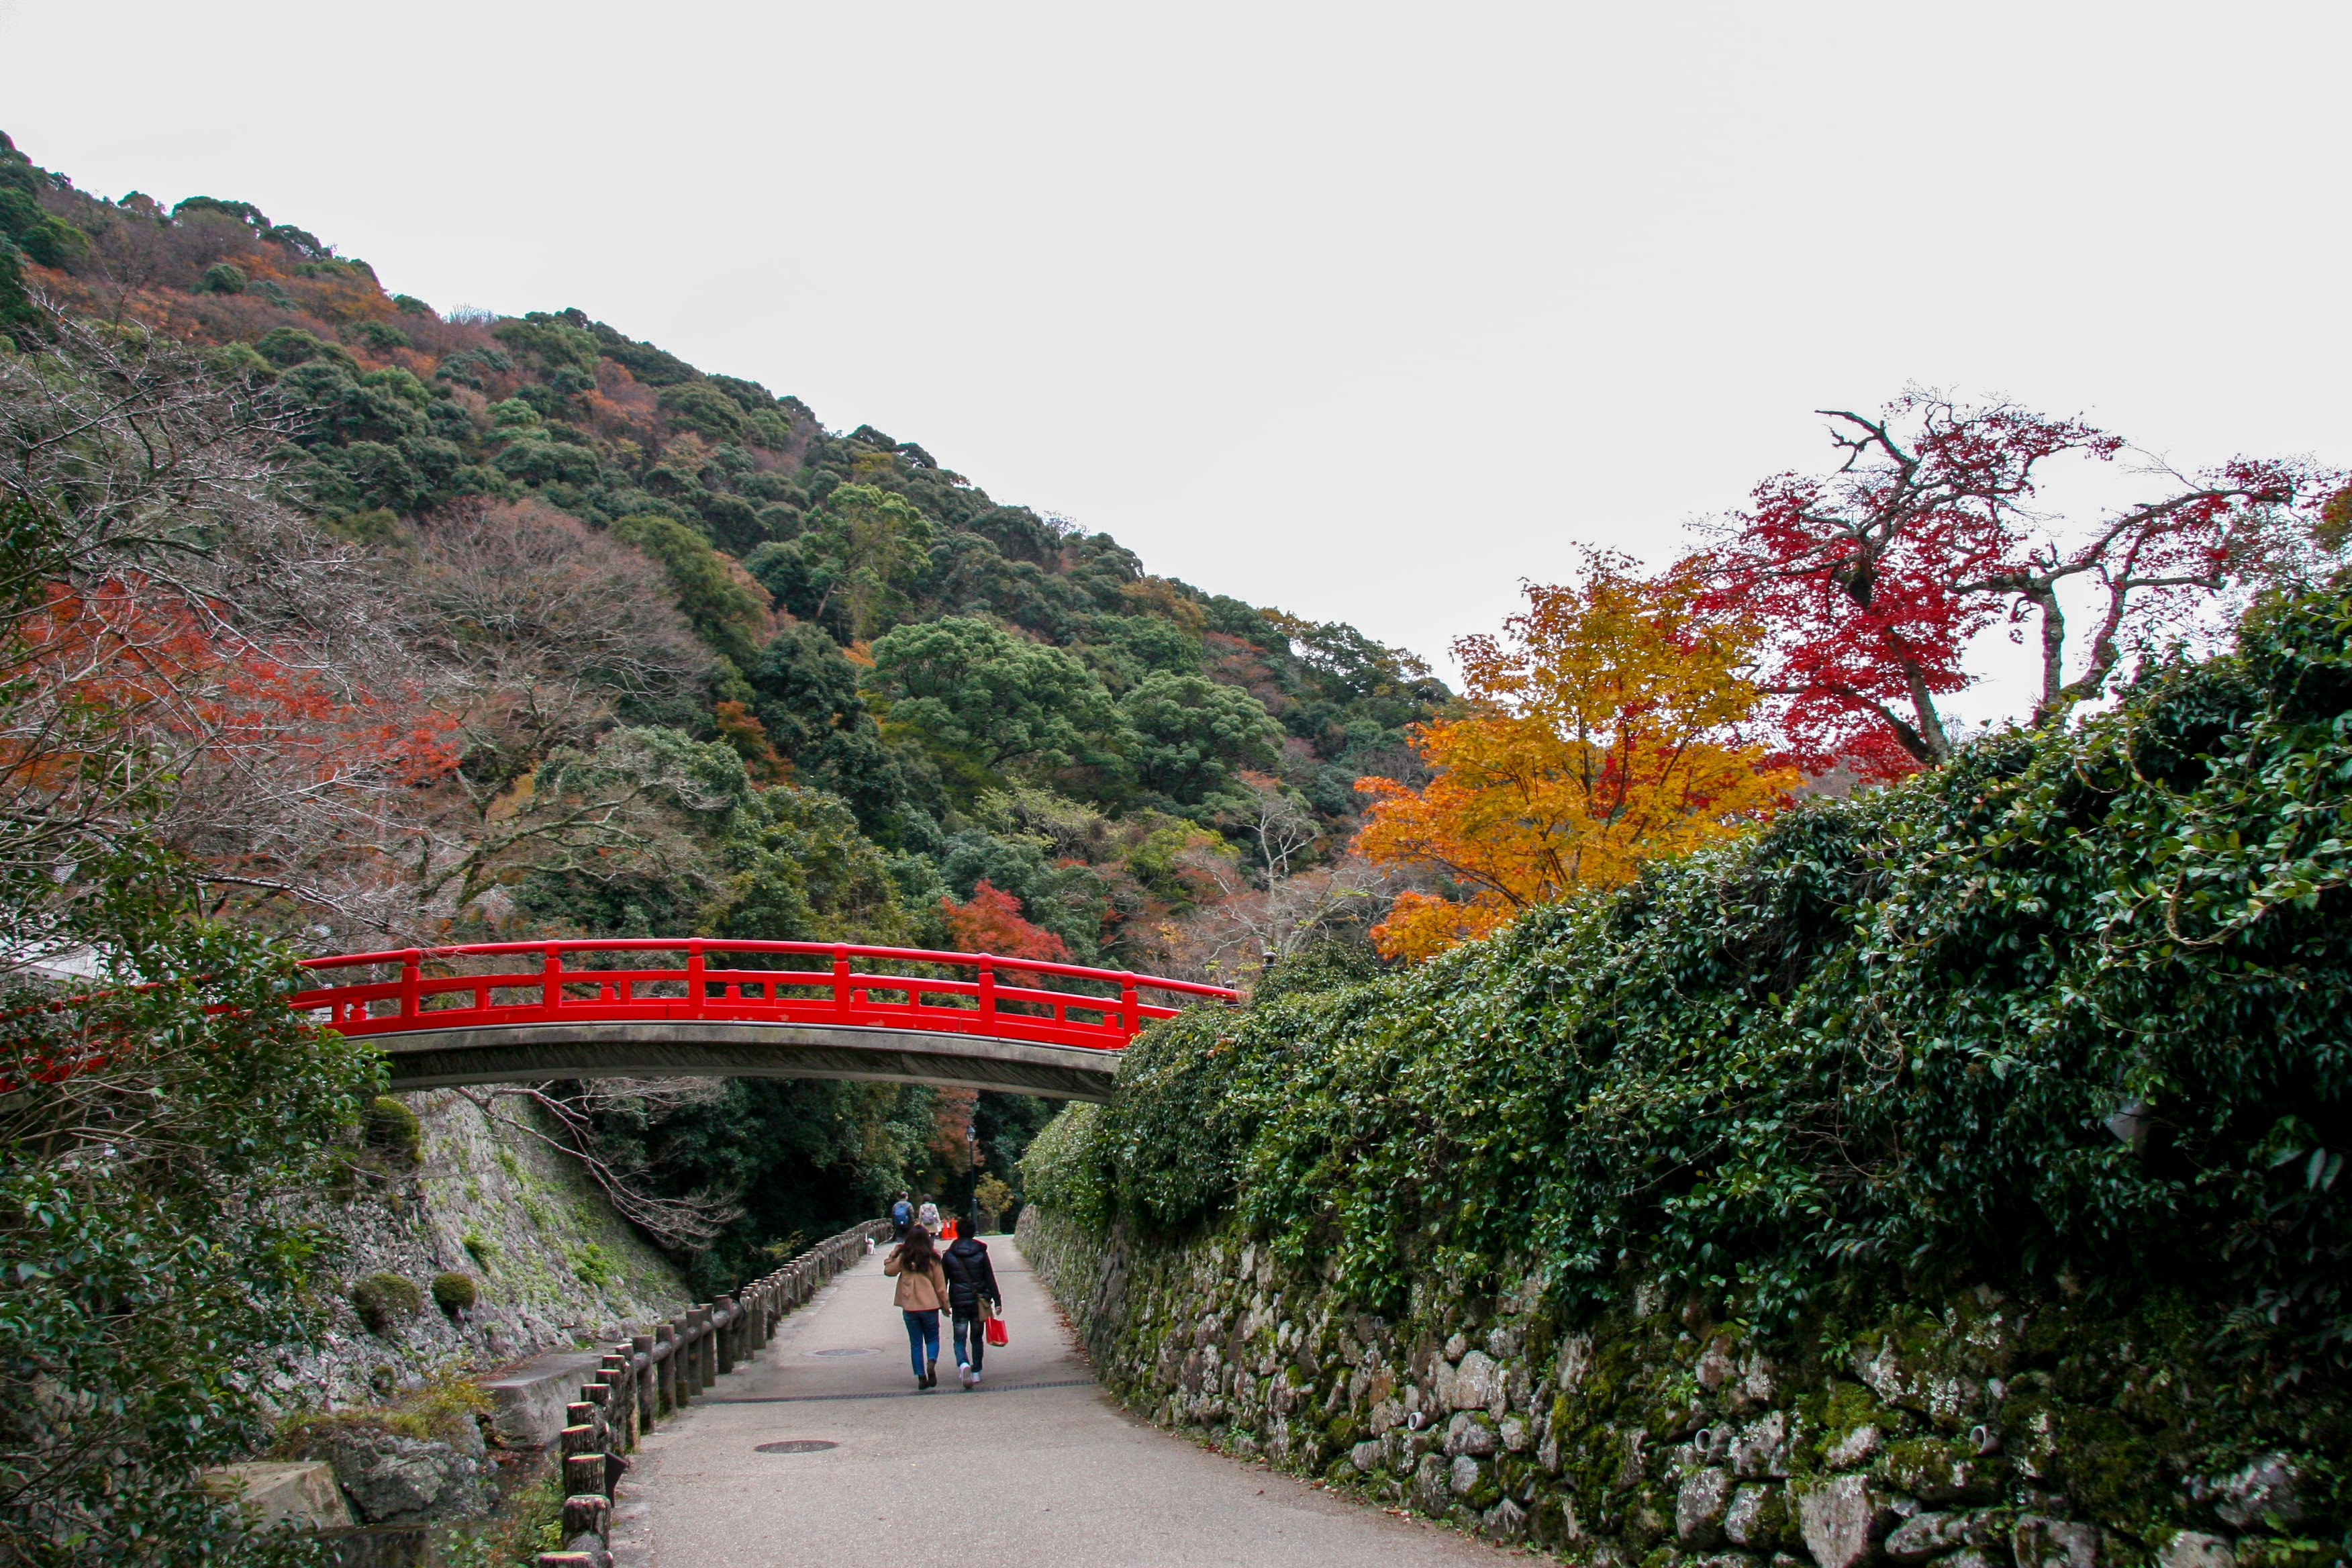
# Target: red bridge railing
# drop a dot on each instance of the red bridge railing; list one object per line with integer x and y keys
{"x": 731, "y": 982}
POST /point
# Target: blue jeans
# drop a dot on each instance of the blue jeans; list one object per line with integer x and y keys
{"x": 922, "y": 1339}
{"x": 971, "y": 1341}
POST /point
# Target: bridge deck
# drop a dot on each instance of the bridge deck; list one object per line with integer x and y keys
{"x": 496, "y": 1012}
{"x": 508, "y": 1053}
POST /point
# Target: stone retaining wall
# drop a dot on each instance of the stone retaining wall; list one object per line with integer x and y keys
{"x": 1974, "y": 1432}
{"x": 553, "y": 1265}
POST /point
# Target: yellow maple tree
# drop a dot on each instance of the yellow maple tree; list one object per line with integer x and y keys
{"x": 1611, "y": 723}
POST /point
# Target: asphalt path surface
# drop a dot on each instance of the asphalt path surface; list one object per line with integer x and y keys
{"x": 1036, "y": 1468}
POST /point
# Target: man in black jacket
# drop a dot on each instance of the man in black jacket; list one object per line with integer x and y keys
{"x": 971, "y": 1285}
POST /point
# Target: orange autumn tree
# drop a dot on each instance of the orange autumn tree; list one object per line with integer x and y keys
{"x": 1611, "y": 723}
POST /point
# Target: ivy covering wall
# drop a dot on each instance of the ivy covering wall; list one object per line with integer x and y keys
{"x": 2063, "y": 1021}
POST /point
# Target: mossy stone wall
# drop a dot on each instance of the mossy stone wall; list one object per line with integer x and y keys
{"x": 1973, "y": 1430}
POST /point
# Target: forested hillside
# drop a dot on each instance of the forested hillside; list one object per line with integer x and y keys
{"x": 621, "y": 646}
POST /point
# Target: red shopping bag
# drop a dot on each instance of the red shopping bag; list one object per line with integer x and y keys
{"x": 996, "y": 1333}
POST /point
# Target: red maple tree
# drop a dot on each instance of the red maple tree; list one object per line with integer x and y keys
{"x": 1871, "y": 580}
{"x": 992, "y": 922}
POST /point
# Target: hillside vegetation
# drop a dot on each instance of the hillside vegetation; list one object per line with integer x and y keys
{"x": 626, "y": 647}
{"x": 329, "y": 621}
{"x": 2060, "y": 1025}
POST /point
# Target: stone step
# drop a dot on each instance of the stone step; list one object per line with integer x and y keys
{"x": 531, "y": 1396}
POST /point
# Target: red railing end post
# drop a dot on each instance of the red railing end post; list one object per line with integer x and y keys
{"x": 694, "y": 985}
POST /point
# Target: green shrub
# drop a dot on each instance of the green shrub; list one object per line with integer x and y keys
{"x": 137, "y": 1284}
{"x": 438, "y": 1412}
{"x": 594, "y": 1266}
{"x": 482, "y": 1248}
{"x": 454, "y": 1292}
{"x": 1063, "y": 1169}
{"x": 238, "y": 361}
{"x": 222, "y": 278}
{"x": 2070, "y": 1008}
{"x": 385, "y": 1301}
{"x": 393, "y": 1128}
{"x": 286, "y": 347}
{"x": 381, "y": 336}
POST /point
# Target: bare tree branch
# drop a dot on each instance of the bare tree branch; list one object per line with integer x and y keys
{"x": 677, "y": 1224}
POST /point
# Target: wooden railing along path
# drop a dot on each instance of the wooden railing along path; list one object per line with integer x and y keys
{"x": 656, "y": 1375}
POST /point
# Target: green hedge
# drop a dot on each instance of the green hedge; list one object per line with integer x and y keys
{"x": 2072, "y": 1012}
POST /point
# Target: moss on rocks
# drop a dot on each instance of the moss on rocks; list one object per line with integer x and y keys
{"x": 393, "y": 1129}
{"x": 1647, "y": 1435}
{"x": 385, "y": 1301}
{"x": 454, "y": 1292}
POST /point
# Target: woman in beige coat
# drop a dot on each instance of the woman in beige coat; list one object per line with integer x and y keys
{"x": 922, "y": 1296}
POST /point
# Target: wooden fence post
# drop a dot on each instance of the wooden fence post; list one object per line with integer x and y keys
{"x": 584, "y": 1474}
{"x": 667, "y": 1384}
{"x": 641, "y": 1367}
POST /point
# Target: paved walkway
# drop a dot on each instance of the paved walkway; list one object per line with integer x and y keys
{"x": 1035, "y": 1469}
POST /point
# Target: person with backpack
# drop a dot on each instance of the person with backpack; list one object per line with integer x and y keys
{"x": 922, "y": 1294}
{"x": 902, "y": 1215}
{"x": 972, "y": 1301}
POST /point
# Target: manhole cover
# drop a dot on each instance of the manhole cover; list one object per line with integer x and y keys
{"x": 796, "y": 1445}
{"x": 853, "y": 1350}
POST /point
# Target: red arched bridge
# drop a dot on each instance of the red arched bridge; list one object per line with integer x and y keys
{"x": 508, "y": 1011}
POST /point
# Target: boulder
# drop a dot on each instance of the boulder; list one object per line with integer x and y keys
{"x": 1855, "y": 1448}
{"x": 303, "y": 1491}
{"x": 1843, "y": 1522}
{"x": 1467, "y": 1433}
{"x": 1574, "y": 1360}
{"x": 1506, "y": 1521}
{"x": 2264, "y": 1490}
{"x": 1429, "y": 1491}
{"x": 1757, "y": 1519}
{"x": 392, "y": 1479}
{"x": 2041, "y": 1542}
{"x": 1936, "y": 1471}
{"x": 1462, "y": 1475}
{"x": 1478, "y": 1382}
{"x": 2188, "y": 1548}
{"x": 1761, "y": 1449}
{"x": 1700, "y": 1506}
{"x": 1932, "y": 1534}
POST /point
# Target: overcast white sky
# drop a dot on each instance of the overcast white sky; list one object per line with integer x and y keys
{"x": 1364, "y": 310}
